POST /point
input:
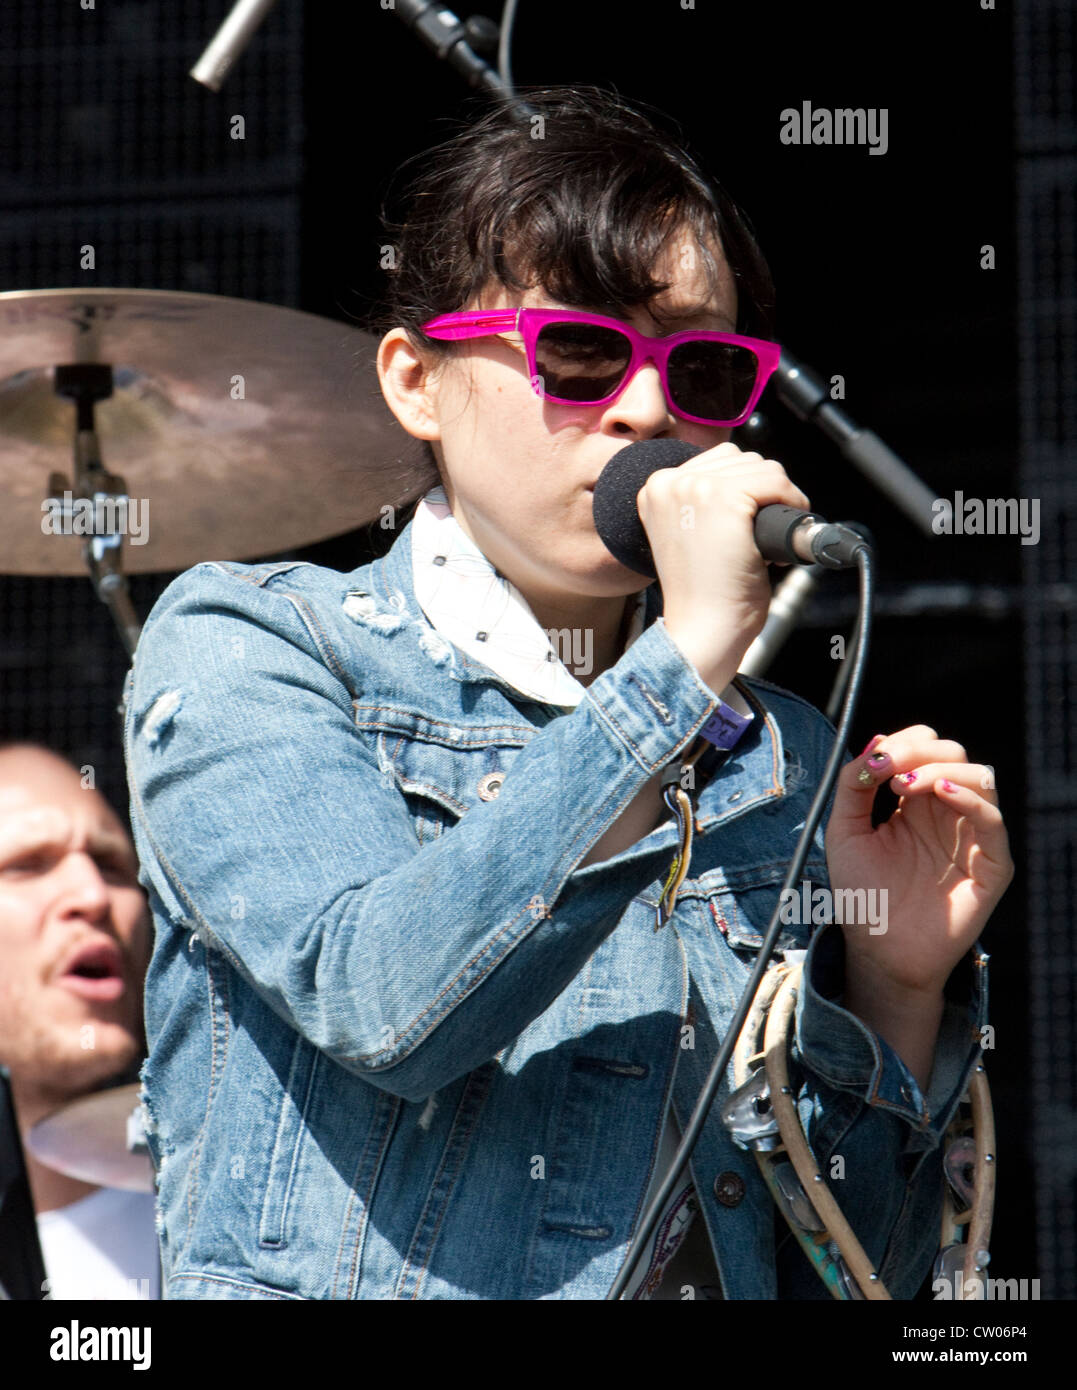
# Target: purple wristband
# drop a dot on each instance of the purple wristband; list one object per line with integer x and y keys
{"x": 725, "y": 726}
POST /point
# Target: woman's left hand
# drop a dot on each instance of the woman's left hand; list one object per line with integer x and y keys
{"x": 943, "y": 858}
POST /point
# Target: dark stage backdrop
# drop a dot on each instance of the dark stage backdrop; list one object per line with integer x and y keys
{"x": 897, "y": 271}
{"x": 105, "y": 141}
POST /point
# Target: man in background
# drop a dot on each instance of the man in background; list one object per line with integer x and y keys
{"x": 74, "y": 946}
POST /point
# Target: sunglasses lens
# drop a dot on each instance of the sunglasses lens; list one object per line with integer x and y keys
{"x": 582, "y": 362}
{"x": 712, "y": 380}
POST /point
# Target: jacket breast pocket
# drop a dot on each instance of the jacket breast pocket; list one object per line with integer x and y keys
{"x": 740, "y": 903}
{"x": 444, "y": 772}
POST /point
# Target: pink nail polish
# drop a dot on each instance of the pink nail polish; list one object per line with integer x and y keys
{"x": 908, "y": 778}
{"x": 871, "y": 744}
{"x": 878, "y": 761}
{"x": 947, "y": 785}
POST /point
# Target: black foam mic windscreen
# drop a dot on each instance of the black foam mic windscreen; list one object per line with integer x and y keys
{"x": 614, "y": 500}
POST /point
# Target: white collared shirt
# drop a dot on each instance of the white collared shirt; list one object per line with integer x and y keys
{"x": 483, "y": 613}
{"x": 102, "y": 1247}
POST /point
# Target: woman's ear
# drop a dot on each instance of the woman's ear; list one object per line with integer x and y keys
{"x": 409, "y": 384}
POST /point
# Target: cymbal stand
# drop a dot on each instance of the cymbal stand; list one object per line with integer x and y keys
{"x": 85, "y": 384}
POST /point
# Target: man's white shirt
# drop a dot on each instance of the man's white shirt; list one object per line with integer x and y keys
{"x": 102, "y": 1247}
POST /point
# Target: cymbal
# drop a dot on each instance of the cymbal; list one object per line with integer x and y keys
{"x": 88, "y": 1140}
{"x": 245, "y": 429}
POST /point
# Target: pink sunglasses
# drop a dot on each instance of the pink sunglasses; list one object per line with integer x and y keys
{"x": 584, "y": 359}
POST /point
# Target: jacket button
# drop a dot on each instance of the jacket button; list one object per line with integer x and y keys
{"x": 729, "y": 1189}
{"x": 490, "y": 785}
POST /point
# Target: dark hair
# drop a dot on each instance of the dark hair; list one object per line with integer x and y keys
{"x": 581, "y": 199}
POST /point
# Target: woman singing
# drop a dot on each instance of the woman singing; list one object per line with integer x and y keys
{"x": 413, "y": 1033}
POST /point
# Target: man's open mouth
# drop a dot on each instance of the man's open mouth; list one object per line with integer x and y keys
{"x": 95, "y": 971}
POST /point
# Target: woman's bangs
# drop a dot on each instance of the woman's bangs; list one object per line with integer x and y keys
{"x": 606, "y": 259}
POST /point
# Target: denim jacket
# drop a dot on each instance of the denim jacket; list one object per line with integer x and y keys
{"x": 401, "y": 1044}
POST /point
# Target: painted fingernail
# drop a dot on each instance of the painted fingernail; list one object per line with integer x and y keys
{"x": 871, "y": 744}
{"x": 878, "y": 761}
{"x": 947, "y": 785}
{"x": 908, "y": 778}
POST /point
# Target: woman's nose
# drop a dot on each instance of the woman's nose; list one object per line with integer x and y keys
{"x": 642, "y": 405}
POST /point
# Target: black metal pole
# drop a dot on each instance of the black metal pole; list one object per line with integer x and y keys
{"x": 22, "y": 1265}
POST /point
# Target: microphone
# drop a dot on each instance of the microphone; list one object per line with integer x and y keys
{"x": 229, "y": 42}
{"x": 783, "y": 535}
{"x": 452, "y": 40}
